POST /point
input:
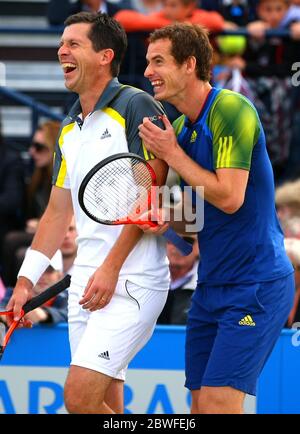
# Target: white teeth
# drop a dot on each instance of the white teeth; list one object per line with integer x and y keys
{"x": 156, "y": 83}
{"x": 68, "y": 65}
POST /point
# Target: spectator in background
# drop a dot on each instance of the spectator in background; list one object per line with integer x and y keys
{"x": 239, "y": 12}
{"x": 226, "y": 72}
{"x": 143, "y": 6}
{"x": 41, "y": 150}
{"x": 59, "y": 10}
{"x": 291, "y": 20}
{"x": 183, "y": 270}
{"x": 292, "y": 246}
{"x": 268, "y": 68}
{"x": 293, "y": 14}
{"x": 291, "y": 227}
{"x": 69, "y": 248}
{"x": 55, "y": 310}
{"x": 287, "y": 200}
{"x": 2, "y": 290}
{"x": 38, "y": 191}
{"x": 172, "y": 11}
{"x": 12, "y": 190}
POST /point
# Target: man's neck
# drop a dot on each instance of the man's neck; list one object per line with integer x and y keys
{"x": 89, "y": 99}
{"x": 191, "y": 103}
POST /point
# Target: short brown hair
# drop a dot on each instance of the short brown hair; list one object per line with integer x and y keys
{"x": 105, "y": 32}
{"x": 188, "y": 40}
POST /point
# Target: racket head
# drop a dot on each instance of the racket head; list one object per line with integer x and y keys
{"x": 118, "y": 189}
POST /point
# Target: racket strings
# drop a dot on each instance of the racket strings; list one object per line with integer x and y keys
{"x": 118, "y": 190}
{"x": 104, "y": 191}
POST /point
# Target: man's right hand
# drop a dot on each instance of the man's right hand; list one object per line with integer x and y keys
{"x": 21, "y": 294}
{"x": 159, "y": 217}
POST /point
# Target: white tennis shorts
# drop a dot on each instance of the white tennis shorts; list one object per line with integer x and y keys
{"x": 106, "y": 340}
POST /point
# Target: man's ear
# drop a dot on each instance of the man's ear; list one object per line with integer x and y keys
{"x": 107, "y": 56}
{"x": 191, "y": 64}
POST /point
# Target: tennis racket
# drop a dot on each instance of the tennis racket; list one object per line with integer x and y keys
{"x": 32, "y": 304}
{"x": 119, "y": 191}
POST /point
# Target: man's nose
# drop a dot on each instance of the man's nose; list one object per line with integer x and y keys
{"x": 148, "y": 71}
{"x": 63, "y": 49}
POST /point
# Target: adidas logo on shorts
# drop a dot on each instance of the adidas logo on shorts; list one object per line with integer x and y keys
{"x": 104, "y": 355}
{"x": 247, "y": 321}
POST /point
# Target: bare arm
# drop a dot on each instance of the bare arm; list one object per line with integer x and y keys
{"x": 48, "y": 238}
{"x": 54, "y": 222}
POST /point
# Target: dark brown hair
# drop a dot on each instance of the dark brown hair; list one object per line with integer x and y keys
{"x": 105, "y": 32}
{"x": 188, "y": 40}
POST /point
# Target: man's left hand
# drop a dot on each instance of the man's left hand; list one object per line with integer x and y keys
{"x": 100, "y": 289}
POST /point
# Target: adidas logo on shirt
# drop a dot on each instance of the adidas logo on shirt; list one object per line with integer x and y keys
{"x": 193, "y": 137}
{"x": 104, "y": 355}
{"x": 106, "y": 134}
{"x": 247, "y": 321}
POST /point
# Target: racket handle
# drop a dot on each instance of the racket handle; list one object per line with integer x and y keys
{"x": 49, "y": 293}
{"x": 182, "y": 245}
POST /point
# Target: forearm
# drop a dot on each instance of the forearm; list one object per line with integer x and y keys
{"x": 50, "y": 233}
{"x": 54, "y": 223}
{"x": 48, "y": 238}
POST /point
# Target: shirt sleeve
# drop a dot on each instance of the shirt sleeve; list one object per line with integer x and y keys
{"x": 141, "y": 105}
{"x": 178, "y": 125}
{"x": 235, "y": 128}
{"x": 60, "y": 174}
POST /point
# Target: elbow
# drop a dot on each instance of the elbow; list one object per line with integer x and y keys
{"x": 232, "y": 205}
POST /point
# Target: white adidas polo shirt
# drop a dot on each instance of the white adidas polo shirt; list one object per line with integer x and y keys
{"x": 111, "y": 128}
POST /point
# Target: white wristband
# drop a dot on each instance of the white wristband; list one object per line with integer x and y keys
{"x": 34, "y": 265}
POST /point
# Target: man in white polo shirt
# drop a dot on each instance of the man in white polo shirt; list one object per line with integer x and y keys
{"x": 120, "y": 276}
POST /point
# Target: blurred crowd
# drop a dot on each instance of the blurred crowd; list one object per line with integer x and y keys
{"x": 259, "y": 65}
